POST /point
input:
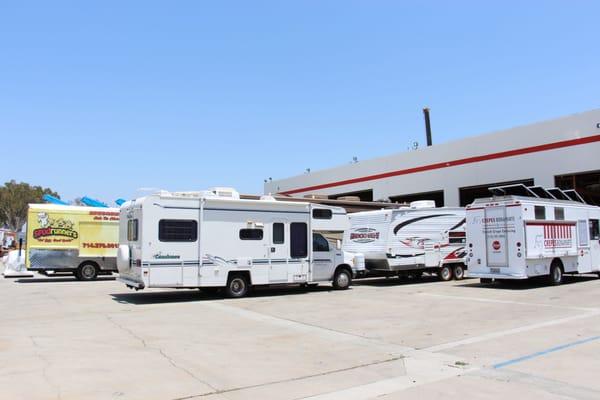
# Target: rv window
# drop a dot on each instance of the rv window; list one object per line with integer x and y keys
{"x": 132, "y": 230}
{"x": 177, "y": 230}
{"x": 582, "y": 233}
{"x": 559, "y": 213}
{"x": 278, "y": 234}
{"x": 319, "y": 213}
{"x": 251, "y": 234}
{"x": 320, "y": 243}
{"x": 594, "y": 229}
{"x": 298, "y": 240}
{"x": 540, "y": 212}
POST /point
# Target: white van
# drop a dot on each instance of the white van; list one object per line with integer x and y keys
{"x": 214, "y": 239}
{"x": 523, "y": 232}
{"x": 410, "y": 240}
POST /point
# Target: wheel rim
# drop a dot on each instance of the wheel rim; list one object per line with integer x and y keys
{"x": 237, "y": 286}
{"x": 342, "y": 279}
{"x": 557, "y": 274}
{"x": 88, "y": 271}
{"x": 445, "y": 273}
{"x": 458, "y": 272}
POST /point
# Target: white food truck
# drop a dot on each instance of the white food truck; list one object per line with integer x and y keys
{"x": 523, "y": 232}
{"x": 410, "y": 240}
{"x": 213, "y": 240}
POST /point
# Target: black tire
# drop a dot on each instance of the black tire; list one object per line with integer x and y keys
{"x": 485, "y": 281}
{"x": 237, "y": 286}
{"x": 87, "y": 272}
{"x": 416, "y": 275}
{"x": 342, "y": 279}
{"x": 459, "y": 272}
{"x": 445, "y": 273}
{"x": 556, "y": 273}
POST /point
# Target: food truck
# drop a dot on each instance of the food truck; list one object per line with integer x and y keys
{"x": 81, "y": 240}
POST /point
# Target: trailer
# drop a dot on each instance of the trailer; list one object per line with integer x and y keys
{"x": 80, "y": 240}
{"x": 214, "y": 240}
{"x": 409, "y": 241}
{"x": 524, "y": 232}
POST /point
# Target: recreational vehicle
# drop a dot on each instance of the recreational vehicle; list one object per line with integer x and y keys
{"x": 523, "y": 232}
{"x": 81, "y": 240}
{"x": 213, "y": 239}
{"x": 410, "y": 240}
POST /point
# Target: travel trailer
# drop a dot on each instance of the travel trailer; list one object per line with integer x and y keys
{"x": 81, "y": 240}
{"x": 214, "y": 240}
{"x": 410, "y": 240}
{"x": 523, "y": 232}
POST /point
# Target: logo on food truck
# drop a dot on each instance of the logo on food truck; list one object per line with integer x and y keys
{"x": 496, "y": 245}
{"x": 558, "y": 236}
{"x": 54, "y": 227}
{"x": 364, "y": 235}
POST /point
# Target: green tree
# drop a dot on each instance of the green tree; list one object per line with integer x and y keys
{"x": 14, "y": 198}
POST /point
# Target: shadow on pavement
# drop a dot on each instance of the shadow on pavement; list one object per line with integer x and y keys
{"x": 62, "y": 279}
{"x": 526, "y": 284}
{"x": 190, "y": 295}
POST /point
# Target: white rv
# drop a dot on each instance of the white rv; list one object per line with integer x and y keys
{"x": 523, "y": 232}
{"x": 410, "y": 240}
{"x": 214, "y": 239}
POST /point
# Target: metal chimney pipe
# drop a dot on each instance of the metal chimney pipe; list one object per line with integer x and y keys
{"x": 427, "y": 126}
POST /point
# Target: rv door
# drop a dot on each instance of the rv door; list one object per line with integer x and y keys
{"x": 278, "y": 250}
{"x": 494, "y": 226}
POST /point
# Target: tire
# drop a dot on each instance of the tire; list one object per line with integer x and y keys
{"x": 87, "y": 272}
{"x": 416, "y": 275}
{"x": 445, "y": 273}
{"x": 459, "y": 272}
{"x": 237, "y": 286}
{"x": 556, "y": 273}
{"x": 342, "y": 279}
{"x": 485, "y": 281}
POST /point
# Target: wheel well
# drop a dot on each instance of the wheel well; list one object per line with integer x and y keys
{"x": 558, "y": 261}
{"x": 344, "y": 266}
{"x": 94, "y": 263}
{"x": 245, "y": 274}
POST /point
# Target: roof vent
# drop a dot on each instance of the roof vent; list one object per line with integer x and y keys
{"x": 227, "y": 192}
{"x": 268, "y": 197}
{"x": 422, "y": 204}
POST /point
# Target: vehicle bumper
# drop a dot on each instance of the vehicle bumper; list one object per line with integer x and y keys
{"x": 131, "y": 282}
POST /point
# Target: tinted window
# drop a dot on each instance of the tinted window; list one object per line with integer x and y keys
{"x": 278, "y": 233}
{"x": 177, "y": 230}
{"x": 132, "y": 230}
{"x": 540, "y": 212}
{"x": 559, "y": 213}
{"x": 594, "y": 229}
{"x": 298, "y": 240}
{"x": 251, "y": 234}
{"x": 322, "y": 214}
{"x": 320, "y": 243}
{"x": 582, "y": 233}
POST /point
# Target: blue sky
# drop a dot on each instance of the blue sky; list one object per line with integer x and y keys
{"x": 103, "y": 98}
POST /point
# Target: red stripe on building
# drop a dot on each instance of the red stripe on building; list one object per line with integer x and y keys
{"x": 453, "y": 163}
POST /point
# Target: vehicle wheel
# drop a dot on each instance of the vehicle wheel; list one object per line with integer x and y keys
{"x": 87, "y": 272}
{"x": 237, "y": 286}
{"x": 484, "y": 281}
{"x": 342, "y": 279}
{"x": 556, "y": 273}
{"x": 416, "y": 275}
{"x": 459, "y": 272}
{"x": 445, "y": 273}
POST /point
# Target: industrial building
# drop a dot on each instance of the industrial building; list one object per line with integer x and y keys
{"x": 563, "y": 152}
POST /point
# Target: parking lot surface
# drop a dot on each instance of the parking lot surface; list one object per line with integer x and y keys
{"x": 65, "y": 339}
